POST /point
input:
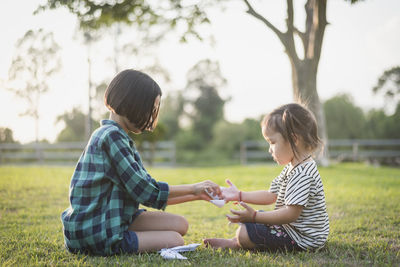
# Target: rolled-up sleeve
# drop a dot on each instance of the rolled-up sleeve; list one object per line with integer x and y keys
{"x": 133, "y": 177}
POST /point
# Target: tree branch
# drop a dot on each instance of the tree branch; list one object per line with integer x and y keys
{"x": 302, "y": 36}
{"x": 287, "y": 37}
{"x": 255, "y": 14}
{"x": 315, "y": 28}
{"x": 291, "y": 45}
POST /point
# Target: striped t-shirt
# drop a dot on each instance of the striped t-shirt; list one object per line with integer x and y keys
{"x": 303, "y": 186}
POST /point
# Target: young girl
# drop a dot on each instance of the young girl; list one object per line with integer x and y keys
{"x": 109, "y": 181}
{"x": 299, "y": 220}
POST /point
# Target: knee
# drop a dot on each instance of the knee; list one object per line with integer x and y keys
{"x": 175, "y": 239}
{"x": 243, "y": 238}
{"x": 182, "y": 225}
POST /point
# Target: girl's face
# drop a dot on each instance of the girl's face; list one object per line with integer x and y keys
{"x": 279, "y": 148}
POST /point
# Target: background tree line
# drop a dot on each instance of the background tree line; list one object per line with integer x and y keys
{"x": 194, "y": 118}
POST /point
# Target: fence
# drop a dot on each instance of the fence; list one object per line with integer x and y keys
{"x": 160, "y": 153}
{"x": 339, "y": 150}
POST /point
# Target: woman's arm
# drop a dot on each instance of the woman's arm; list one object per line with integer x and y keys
{"x": 183, "y": 193}
{"x": 182, "y": 199}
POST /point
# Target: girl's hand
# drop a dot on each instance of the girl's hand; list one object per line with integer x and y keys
{"x": 242, "y": 216}
{"x": 199, "y": 190}
{"x": 230, "y": 193}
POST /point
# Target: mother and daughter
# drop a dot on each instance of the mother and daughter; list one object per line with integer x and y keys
{"x": 110, "y": 181}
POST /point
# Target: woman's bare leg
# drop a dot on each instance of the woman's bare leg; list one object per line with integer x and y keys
{"x": 159, "y": 221}
{"x": 156, "y": 240}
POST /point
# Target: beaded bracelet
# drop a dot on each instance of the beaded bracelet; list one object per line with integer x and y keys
{"x": 254, "y": 216}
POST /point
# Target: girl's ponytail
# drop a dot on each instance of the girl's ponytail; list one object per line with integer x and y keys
{"x": 291, "y": 125}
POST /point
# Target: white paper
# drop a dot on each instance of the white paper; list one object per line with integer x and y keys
{"x": 215, "y": 199}
{"x": 173, "y": 253}
{"x": 218, "y": 202}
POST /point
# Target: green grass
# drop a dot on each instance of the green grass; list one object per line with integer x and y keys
{"x": 363, "y": 205}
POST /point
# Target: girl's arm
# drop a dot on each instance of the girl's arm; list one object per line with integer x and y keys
{"x": 287, "y": 214}
{"x": 261, "y": 197}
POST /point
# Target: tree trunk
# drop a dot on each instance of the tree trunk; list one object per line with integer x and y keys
{"x": 304, "y": 79}
{"x": 304, "y": 71}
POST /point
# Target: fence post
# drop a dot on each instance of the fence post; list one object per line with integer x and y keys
{"x": 355, "y": 151}
{"x": 243, "y": 156}
{"x": 173, "y": 158}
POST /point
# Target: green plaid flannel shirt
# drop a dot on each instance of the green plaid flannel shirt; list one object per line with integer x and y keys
{"x": 107, "y": 187}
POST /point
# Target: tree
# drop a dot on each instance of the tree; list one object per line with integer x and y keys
{"x": 171, "y": 112}
{"x": 6, "y": 135}
{"x": 345, "y": 120}
{"x": 389, "y": 85}
{"x": 74, "y": 126}
{"x": 206, "y": 106}
{"x": 140, "y": 13}
{"x": 35, "y": 61}
{"x": 151, "y": 138}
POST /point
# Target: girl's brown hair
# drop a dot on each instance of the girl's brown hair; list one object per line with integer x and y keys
{"x": 294, "y": 121}
{"x": 132, "y": 94}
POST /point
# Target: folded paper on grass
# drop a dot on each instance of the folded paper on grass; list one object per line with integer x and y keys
{"x": 174, "y": 253}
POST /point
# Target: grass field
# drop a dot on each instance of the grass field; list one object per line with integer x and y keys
{"x": 363, "y": 205}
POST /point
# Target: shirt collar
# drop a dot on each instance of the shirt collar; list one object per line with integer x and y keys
{"x": 114, "y": 123}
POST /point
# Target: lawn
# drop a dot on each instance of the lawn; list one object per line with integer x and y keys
{"x": 363, "y": 206}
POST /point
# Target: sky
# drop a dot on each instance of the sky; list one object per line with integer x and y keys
{"x": 361, "y": 41}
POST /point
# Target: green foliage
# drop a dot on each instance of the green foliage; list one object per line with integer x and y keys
{"x": 6, "y": 135}
{"x": 362, "y": 204}
{"x": 228, "y": 136}
{"x": 389, "y": 85}
{"x": 170, "y": 113}
{"x": 141, "y": 13}
{"x": 204, "y": 80}
{"x": 189, "y": 140}
{"x": 344, "y": 119}
{"x": 74, "y": 129}
{"x": 157, "y": 134}
{"x": 347, "y": 121}
{"x": 382, "y": 126}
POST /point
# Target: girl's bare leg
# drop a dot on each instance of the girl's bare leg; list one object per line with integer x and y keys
{"x": 241, "y": 240}
{"x": 221, "y": 243}
{"x": 159, "y": 221}
{"x": 156, "y": 240}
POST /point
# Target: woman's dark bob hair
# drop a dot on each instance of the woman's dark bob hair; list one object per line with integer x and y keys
{"x": 132, "y": 94}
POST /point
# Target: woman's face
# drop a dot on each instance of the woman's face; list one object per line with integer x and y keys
{"x": 131, "y": 126}
{"x": 279, "y": 148}
{"x": 155, "y": 112}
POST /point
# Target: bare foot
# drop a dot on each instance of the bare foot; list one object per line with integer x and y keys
{"x": 221, "y": 243}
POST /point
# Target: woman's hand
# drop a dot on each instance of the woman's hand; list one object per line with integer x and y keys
{"x": 230, "y": 193}
{"x": 247, "y": 215}
{"x": 200, "y": 189}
